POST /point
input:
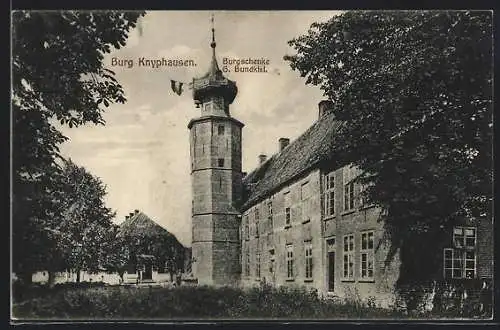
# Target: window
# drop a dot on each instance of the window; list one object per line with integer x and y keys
{"x": 288, "y": 215}
{"x": 329, "y": 194}
{"x": 257, "y": 220}
{"x": 349, "y": 174}
{"x": 460, "y": 261}
{"x": 304, "y": 191}
{"x": 309, "y": 259}
{"x": 305, "y": 197}
{"x": 464, "y": 237}
{"x": 163, "y": 268}
{"x": 247, "y": 263}
{"x": 247, "y": 228}
{"x": 289, "y": 261}
{"x": 349, "y": 196}
{"x": 271, "y": 261}
{"x": 220, "y": 130}
{"x": 348, "y": 254}
{"x": 363, "y": 200}
{"x": 270, "y": 214}
{"x": 367, "y": 255}
{"x": 220, "y": 162}
{"x": 257, "y": 265}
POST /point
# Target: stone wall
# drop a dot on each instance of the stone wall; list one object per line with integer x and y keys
{"x": 304, "y": 228}
{"x": 360, "y": 219}
{"x": 309, "y": 224}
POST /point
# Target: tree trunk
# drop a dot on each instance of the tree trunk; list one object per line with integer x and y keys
{"x": 52, "y": 279}
{"x": 78, "y": 276}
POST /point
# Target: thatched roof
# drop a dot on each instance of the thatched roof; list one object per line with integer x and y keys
{"x": 139, "y": 224}
{"x": 307, "y": 151}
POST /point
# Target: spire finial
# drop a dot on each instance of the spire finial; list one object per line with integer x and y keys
{"x": 213, "y": 32}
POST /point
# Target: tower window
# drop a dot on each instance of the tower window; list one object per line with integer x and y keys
{"x": 220, "y": 162}
{"x": 221, "y": 129}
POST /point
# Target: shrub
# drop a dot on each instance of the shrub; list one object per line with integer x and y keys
{"x": 95, "y": 301}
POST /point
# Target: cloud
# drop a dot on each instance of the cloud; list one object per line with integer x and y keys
{"x": 142, "y": 154}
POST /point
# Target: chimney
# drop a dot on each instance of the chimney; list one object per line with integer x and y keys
{"x": 136, "y": 211}
{"x": 244, "y": 173}
{"x": 325, "y": 107}
{"x": 126, "y": 217}
{"x": 283, "y": 142}
{"x": 131, "y": 214}
{"x": 262, "y": 159}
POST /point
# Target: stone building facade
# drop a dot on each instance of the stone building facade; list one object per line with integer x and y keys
{"x": 297, "y": 219}
{"x": 304, "y": 222}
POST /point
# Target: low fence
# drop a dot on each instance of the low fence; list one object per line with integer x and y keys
{"x": 42, "y": 277}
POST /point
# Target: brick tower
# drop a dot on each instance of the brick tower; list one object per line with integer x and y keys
{"x": 215, "y": 151}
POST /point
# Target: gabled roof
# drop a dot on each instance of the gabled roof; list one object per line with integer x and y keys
{"x": 315, "y": 145}
{"x": 140, "y": 224}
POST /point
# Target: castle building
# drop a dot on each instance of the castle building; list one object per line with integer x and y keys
{"x": 298, "y": 218}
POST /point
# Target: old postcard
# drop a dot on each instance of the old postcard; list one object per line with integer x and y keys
{"x": 236, "y": 165}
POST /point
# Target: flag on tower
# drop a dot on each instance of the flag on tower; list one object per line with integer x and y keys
{"x": 176, "y": 86}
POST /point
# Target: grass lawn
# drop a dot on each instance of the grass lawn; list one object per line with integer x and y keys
{"x": 119, "y": 302}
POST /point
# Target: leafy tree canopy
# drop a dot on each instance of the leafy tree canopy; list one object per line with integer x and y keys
{"x": 414, "y": 90}
{"x": 86, "y": 223}
{"x": 57, "y": 74}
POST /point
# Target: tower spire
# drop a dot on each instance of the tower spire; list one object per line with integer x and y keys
{"x": 214, "y": 67}
{"x": 213, "y": 44}
{"x": 213, "y": 84}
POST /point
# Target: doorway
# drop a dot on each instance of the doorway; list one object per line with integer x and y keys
{"x": 331, "y": 271}
{"x": 148, "y": 271}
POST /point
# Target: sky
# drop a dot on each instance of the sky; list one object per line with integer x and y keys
{"x": 142, "y": 153}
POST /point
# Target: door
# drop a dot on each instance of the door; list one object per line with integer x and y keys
{"x": 148, "y": 271}
{"x": 331, "y": 271}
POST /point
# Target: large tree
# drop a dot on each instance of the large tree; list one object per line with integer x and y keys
{"x": 85, "y": 225}
{"x": 58, "y": 74}
{"x": 414, "y": 90}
